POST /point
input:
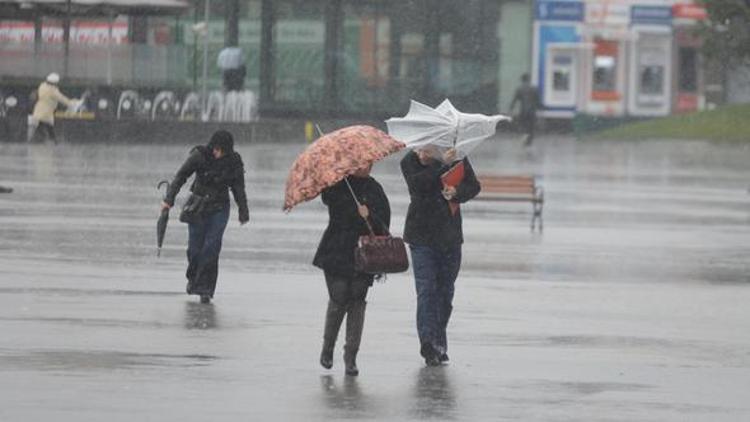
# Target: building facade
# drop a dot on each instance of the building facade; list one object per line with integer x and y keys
{"x": 303, "y": 57}
{"x": 618, "y": 58}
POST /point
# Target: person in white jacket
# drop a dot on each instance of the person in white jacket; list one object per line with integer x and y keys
{"x": 48, "y": 98}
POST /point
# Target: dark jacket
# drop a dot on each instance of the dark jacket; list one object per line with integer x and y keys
{"x": 213, "y": 178}
{"x": 429, "y": 221}
{"x": 528, "y": 97}
{"x": 336, "y": 250}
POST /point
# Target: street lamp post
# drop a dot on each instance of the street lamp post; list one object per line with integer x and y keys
{"x": 204, "y": 89}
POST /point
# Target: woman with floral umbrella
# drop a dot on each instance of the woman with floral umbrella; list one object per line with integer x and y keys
{"x": 337, "y": 166}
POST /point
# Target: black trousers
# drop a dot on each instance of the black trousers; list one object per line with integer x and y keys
{"x": 43, "y": 132}
{"x": 343, "y": 289}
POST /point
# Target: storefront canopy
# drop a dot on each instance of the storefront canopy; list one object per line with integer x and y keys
{"x": 19, "y": 9}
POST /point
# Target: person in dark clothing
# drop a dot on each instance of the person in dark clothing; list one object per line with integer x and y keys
{"x": 347, "y": 288}
{"x": 234, "y": 79}
{"x": 218, "y": 169}
{"x": 527, "y": 96}
{"x": 434, "y": 234}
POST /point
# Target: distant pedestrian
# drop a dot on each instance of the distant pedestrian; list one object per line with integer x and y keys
{"x": 48, "y": 96}
{"x": 347, "y": 288}
{"x": 231, "y": 61}
{"x": 218, "y": 169}
{"x": 435, "y": 235}
{"x": 527, "y": 96}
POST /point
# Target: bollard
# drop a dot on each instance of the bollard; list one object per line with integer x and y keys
{"x": 309, "y": 131}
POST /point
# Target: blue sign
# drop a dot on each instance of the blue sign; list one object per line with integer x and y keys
{"x": 651, "y": 15}
{"x": 559, "y": 10}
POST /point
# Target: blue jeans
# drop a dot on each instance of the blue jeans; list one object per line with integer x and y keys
{"x": 204, "y": 246}
{"x": 435, "y": 273}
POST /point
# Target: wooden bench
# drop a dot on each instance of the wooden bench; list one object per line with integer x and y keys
{"x": 514, "y": 189}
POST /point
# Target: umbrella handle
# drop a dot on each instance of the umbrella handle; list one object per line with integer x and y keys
{"x": 162, "y": 182}
{"x": 356, "y": 201}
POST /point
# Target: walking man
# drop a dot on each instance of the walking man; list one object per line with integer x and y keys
{"x": 434, "y": 233}
{"x": 527, "y": 96}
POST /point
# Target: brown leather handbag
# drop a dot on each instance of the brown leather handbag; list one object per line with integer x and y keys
{"x": 380, "y": 254}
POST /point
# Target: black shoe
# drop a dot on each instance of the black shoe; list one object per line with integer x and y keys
{"x": 430, "y": 355}
{"x": 205, "y": 299}
{"x": 326, "y": 359}
{"x": 350, "y": 362}
{"x": 444, "y": 358}
{"x": 432, "y": 360}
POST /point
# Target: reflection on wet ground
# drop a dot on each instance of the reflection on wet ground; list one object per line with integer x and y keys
{"x": 200, "y": 316}
{"x": 434, "y": 397}
{"x": 631, "y": 306}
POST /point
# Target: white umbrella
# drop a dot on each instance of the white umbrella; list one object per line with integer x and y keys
{"x": 443, "y": 126}
{"x": 230, "y": 58}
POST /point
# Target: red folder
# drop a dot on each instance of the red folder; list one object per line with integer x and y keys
{"x": 453, "y": 177}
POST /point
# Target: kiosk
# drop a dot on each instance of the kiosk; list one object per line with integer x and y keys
{"x": 606, "y": 31}
{"x": 688, "y": 74}
{"x": 650, "y": 61}
{"x": 556, "y": 57}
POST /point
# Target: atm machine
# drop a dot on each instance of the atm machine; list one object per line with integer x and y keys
{"x": 561, "y": 76}
{"x": 556, "y": 56}
{"x": 650, "y": 76}
{"x": 650, "y": 73}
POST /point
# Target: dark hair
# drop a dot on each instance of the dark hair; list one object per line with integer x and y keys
{"x": 223, "y": 140}
{"x": 525, "y": 77}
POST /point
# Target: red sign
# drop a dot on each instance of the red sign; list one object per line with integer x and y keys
{"x": 686, "y": 103}
{"x": 689, "y": 11}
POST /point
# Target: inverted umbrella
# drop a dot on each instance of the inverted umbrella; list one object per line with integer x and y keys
{"x": 443, "y": 126}
{"x": 333, "y": 157}
{"x": 161, "y": 223}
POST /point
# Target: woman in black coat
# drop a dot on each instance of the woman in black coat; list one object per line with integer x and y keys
{"x": 218, "y": 169}
{"x": 347, "y": 288}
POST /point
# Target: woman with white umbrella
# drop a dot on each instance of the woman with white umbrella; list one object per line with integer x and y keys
{"x": 440, "y": 178}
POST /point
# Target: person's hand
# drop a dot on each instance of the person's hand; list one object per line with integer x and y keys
{"x": 165, "y": 206}
{"x": 449, "y": 192}
{"x": 449, "y": 155}
{"x": 363, "y": 211}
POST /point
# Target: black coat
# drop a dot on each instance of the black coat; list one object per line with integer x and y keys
{"x": 213, "y": 178}
{"x": 429, "y": 221}
{"x": 336, "y": 250}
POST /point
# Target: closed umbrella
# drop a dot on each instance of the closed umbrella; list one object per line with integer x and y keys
{"x": 443, "y": 126}
{"x": 333, "y": 157}
{"x": 161, "y": 223}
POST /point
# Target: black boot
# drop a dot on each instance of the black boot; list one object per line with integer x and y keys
{"x": 334, "y": 317}
{"x": 355, "y": 321}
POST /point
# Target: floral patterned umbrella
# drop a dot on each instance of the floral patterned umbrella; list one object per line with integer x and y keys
{"x": 334, "y": 156}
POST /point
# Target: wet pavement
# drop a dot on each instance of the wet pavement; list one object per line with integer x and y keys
{"x": 632, "y": 305}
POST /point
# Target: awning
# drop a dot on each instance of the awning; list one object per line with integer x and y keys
{"x": 19, "y": 9}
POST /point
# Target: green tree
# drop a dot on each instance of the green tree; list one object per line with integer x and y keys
{"x": 726, "y": 34}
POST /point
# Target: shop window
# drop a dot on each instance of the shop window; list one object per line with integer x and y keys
{"x": 687, "y": 80}
{"x": 299, "y": 53}
{"x": 605, "y": 71}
